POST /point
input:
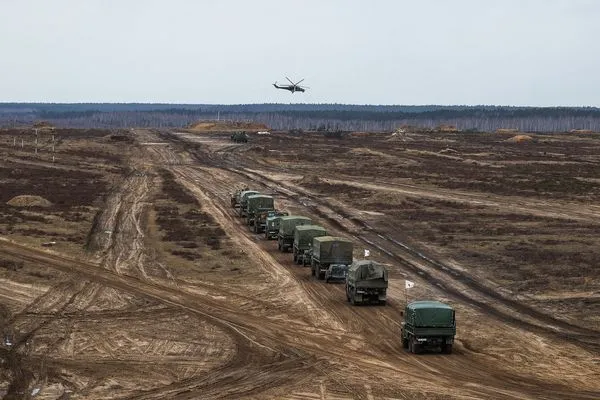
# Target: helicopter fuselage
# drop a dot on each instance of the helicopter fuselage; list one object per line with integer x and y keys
{"x": 291, "y": 88}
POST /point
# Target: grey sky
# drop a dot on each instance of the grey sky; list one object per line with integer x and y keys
{"x": 507, "y": 52}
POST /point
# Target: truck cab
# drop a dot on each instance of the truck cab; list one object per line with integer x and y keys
{"x": 428, "y": 324}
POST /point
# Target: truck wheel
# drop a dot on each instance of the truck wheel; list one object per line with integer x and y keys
{"x": 405, "y": 343}
{"x": 278, "y": 245}
{"x": 382, "y": 302}
{"x": 447, "y": 348}
{"x": 416, "y": 347}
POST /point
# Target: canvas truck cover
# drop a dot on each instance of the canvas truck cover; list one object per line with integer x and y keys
{"x": 332, "y": 249}
{"x": 429, "y": 314}
{"x": 368, "y": 273}
{"x": 304, "y": 234}
{"x": 287, "y": 224}
{"x": 273, "y": 222}
{"x": 259, "y": 202}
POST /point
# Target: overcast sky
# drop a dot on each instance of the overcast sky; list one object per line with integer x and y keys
{"x": 504, "y": 52}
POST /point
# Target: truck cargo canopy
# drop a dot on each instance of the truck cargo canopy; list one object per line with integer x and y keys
{"x": 363, "y": 270}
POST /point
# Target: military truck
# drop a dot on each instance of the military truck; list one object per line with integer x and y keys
{"x": 303, "y": 236}
{"x": 428, "y": 324}
{"x": 272, "y": 225}
{"x": 285, "y": 237}
{"x": 260, "y": 219}
{"x": 367, "y": 282}
{"x": 239, "y": 137}
{"x": 336, "y": 273}
{"x": 327, "y": 250}
{"x": 255, "y": 204}
{"x": 235, "y": 197}
{"x": 243, "y": 201}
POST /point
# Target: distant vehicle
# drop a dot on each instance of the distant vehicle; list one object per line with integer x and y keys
{"x": 327, "y": 250}
{"x": 294, "y": 87}
{"x": 256, "y": 204}
{"x": 367, "y": 282}
{"x": 235, "y": 196}
{"x": 336, "y": 273}
{"x": 428, "y": 324}
{"x": 243, "y": 201}
{"x": 239, "y": 137}
{"x": 303, "y": 236}
{"x": 285, "y": 237}
{"x": 272, "y": 225}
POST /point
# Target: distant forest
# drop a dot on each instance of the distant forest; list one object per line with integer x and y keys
{"x": 329, "y": 117}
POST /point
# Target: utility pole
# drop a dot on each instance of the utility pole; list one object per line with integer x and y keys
{"x": 14, "y": 142}
{"x": 36, "y": 140}
{"x": 53, "y": 148}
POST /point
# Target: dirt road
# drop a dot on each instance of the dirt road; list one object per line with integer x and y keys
{"x": 133, "y": 322}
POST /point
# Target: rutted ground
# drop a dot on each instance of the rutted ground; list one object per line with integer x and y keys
{"x": 220, "y": 313}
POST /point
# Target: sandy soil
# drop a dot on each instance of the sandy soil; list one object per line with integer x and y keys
{"x": 176, "y": 298}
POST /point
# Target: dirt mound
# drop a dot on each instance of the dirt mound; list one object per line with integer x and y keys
{"x": 28, "y": 201}
{"x": 520, "y": 139}
{"x": 448, "y": 150}
{"x": 226, "y": 126}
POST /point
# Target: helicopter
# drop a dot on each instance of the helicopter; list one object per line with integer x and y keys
{"x": 294, "y": 87}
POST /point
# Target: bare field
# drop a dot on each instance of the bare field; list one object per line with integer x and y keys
{"x": 152, "y": 288}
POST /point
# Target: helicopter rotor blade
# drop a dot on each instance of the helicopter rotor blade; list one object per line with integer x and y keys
{"x": 298, "y": 82}
{"x": 289, "y": 80}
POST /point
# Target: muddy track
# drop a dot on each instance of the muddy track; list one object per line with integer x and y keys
{"x": 412, "y": 259}
{"x": 249, "y": 346}
{"x": 368, "y": 320}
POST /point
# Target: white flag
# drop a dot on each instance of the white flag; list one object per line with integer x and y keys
{"x": 409, "y": 284}
{"x": 367, "y": 253}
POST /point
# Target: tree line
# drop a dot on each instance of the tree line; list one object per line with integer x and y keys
{"x": 305, "y": 116}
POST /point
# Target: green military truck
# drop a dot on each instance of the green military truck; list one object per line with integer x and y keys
{"x": 366, "y": 282}
{"x": 260, "y": 220}
{"x": 243, "y": 201}
{"x": 272, "y": 225}
{"x": 235, "y": 197}
{"x": 258, "y": 203}
{"x": 303, "y": 236}
{"x": 285, "y": 237}
{"x": 327, "y": 250}
{"x": 428, "y": 324}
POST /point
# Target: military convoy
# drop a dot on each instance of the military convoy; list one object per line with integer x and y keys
{"x": 427, "y": 324}
{"x": 303, "y": 236}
